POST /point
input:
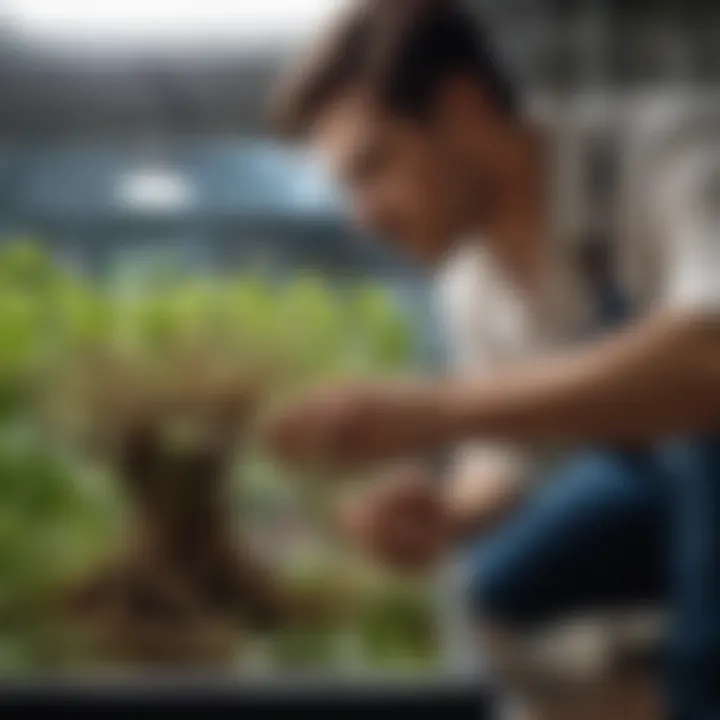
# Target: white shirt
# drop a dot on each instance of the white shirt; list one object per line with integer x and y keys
{"x": 670, "y": 256}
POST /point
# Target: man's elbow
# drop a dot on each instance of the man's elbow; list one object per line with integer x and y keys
{"x": 695, "y": 333}
{"x": 693, "y": 337}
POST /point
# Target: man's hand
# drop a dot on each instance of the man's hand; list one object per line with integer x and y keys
{"x": 402, "y": 521}
{"x": 408, "y": 518}
{"x": 360, "y": 423}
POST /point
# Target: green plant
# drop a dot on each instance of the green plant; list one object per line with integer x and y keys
{"x": 59, "y": 508}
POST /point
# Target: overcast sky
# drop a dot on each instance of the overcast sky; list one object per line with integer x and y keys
{"x": 167, "y": 21}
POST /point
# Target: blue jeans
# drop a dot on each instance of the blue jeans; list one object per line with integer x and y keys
{"x": 620, "y": 529}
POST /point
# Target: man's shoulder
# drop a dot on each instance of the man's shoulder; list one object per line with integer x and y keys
{"x": 463, "y": 275}
{"x": 464, "y": 288}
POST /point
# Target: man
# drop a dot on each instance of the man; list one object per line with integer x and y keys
{"x": 408, "y": 107}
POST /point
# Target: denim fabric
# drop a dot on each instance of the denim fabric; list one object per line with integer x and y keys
{"x": 617, "y": 530}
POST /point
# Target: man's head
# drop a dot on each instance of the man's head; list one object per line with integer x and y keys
{"x": 406, "y": 104}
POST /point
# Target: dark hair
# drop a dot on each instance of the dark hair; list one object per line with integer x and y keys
{"x": 400, "y": 51}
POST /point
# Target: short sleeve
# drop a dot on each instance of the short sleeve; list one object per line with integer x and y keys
{"x": 464, "y": 294}
{"x": 473, "y": 462}
{"x": 687, "y": 214}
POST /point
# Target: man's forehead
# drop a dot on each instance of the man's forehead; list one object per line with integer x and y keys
{"x": 347, "y": 124}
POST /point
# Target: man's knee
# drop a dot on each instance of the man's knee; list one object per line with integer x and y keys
{"x": 495, "y": 592}
{"x": 569, "y": 547}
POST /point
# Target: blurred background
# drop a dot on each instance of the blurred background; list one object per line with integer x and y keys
{"x": 143, "y": 206}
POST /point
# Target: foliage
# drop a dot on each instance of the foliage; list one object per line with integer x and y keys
{"x": 57, "y": 509}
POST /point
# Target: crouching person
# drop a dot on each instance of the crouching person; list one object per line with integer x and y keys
{"x": 412, "y": 113}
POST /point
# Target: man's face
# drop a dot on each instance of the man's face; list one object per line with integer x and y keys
{"x": 410, "y": 182}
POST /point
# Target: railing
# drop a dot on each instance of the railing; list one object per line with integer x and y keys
{"x": 206, "y": 694}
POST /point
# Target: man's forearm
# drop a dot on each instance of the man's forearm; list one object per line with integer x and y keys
{"x": 658, "y": 378}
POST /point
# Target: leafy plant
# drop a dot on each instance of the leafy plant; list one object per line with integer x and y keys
{"x": 61, "y": 509}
